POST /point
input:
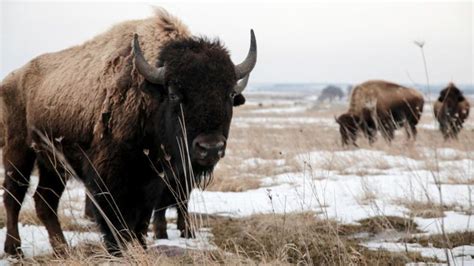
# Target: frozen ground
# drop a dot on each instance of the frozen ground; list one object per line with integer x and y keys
{"x": 346, "y": 185}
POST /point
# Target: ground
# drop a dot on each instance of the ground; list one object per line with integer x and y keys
{"x": 288, "y": 192}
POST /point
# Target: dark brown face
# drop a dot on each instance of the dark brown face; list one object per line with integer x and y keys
{"x": 348, "y": 127}
{"x": 452, "y": 99}
{"x": 198, "y": 85}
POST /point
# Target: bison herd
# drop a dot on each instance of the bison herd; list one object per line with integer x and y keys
{"x": 141, "y": 114}
{"x": 383, "y": 106}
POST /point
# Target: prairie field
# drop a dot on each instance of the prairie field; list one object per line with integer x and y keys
{"x": 287, "y": 192}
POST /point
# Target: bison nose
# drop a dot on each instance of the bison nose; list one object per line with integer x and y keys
{"x": 209, "y": 147}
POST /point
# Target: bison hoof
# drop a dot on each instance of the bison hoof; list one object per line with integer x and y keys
{"x": 188, "y": 233}
{"x": 161, "y": 234}
{"x": 14, "y": 250}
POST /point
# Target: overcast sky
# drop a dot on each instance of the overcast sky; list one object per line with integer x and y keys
{"x": 297, "y": 42}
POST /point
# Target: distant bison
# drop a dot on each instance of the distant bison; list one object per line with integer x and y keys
{"x": 380, "y": 105}
{"x": 330, "y": 93}
{"x": 138, "y": 111}
{"x": 451, "y": 109}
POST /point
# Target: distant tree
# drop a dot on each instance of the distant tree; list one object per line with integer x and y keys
{"x": 330, "y": 93}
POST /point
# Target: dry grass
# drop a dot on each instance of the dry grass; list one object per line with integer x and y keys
{"x": 234, "y": 184}
{"x": 427, "y": 209}
{"x": 439, "y": 241}
{"x": 296, "y": 238}
{"x": 379, "y": 224}
{"x": 301, "y": 239}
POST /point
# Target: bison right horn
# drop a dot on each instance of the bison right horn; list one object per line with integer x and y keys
{"x": 150, "y": 73}
{"x": 244, "y": 68}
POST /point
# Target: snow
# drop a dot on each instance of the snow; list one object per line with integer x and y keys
{"x": 35, "y": 239}
{"x": 281, "y": 122}
{"x": 281, "y": 110}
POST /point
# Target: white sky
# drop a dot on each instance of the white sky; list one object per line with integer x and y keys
{"x": 297, "y": 41}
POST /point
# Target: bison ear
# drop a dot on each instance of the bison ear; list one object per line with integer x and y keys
{"x": 239, "y": 99}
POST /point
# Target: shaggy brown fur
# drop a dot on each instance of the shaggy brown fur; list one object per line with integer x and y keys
{"x": 451, "y": 109}
{"x": 380, "y": 105}
{"x": 117, "y": 131}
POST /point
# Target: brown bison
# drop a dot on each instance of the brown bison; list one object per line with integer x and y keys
{"x": 451, "y": 109}
{"x": 138, "y": 110}
{"x": 380, "y": 105}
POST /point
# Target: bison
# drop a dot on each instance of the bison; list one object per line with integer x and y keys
{"x": 451, "y": 109}
{"x": 134, "y": 112}
{"x": 380, "y": 105}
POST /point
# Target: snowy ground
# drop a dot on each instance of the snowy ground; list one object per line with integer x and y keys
{"x": 347, "y": 185}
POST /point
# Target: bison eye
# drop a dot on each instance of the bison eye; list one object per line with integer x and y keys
{"x": 233, "y": 94}
{"x": 174, "y": 97}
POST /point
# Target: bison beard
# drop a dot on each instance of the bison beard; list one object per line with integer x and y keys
{"x": 131, "y": 131}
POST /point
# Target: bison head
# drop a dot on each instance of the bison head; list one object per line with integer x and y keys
{"x": 349, "y": 125}
{"x": 451, "y": 97}
{"x": 197, "y": 86}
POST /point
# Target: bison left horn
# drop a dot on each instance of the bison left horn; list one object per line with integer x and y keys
{"x": 240, "y": 86}
{"x": 152, "y": 74}
{"x": 243, "y": 69}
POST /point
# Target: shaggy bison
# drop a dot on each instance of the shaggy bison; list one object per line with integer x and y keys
{"x": 138, "y": 110}
{"x": 451, "y": 110}
{"x": 380, "y": 105}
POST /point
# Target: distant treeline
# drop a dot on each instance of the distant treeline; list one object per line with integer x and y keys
{"x": 316, "y": 87}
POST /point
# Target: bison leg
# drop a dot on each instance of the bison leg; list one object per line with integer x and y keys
{"x": 388, "y": 132}
{"x": 141, "y": 228}
{"x": 184, "y": 225}
{"x": 119, "y": 213}
{"x": 444, "y": 131}
{"x": 18, "y": 161}
{"x": 371, "y": 132}
{"x": 159, "y": 224}
{"x": 50, "y": 188}
{"x": 410, "y": 129}
{"x": 112, "y": 221}
{"x": 89, "y": 209}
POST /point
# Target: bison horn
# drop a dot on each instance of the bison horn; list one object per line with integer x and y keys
{"x": 152, "y": 74}
{"x": 240, "y": 86}
{"x": 244, "y": 68}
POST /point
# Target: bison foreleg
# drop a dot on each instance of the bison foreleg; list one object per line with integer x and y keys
{"x": 184, "y": 225}
{"x": 159, "y": 224}
{"x": 47, "y": 195}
